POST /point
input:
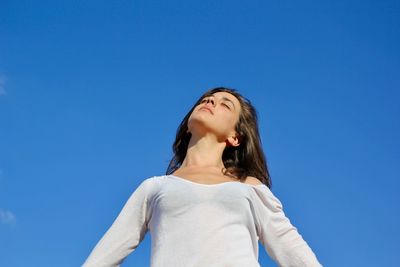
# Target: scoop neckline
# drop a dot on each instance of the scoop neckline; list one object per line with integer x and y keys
{"x": 210, "y": 185}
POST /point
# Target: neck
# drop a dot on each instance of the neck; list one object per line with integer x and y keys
{"x": 204, "y": 151}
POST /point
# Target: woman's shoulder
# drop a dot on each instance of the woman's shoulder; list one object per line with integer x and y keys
{"x": 156, "y": 181}
{"x": 252, "y": 180}
{"x": 153, "y": 179}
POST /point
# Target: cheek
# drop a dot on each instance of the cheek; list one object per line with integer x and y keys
{"x": 228, "y": 121}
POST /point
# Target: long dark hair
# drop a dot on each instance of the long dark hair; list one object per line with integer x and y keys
{"x": 247, "y": 159}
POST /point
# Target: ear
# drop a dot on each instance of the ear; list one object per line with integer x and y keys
{"x": 233, "y": 140}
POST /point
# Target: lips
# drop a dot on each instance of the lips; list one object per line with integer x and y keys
{"x": 206, "y": 108}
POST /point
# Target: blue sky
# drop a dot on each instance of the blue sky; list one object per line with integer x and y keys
{"x": 91, "y": 94}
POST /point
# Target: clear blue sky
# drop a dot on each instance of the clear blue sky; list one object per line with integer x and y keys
{"x": 91, "y": 94}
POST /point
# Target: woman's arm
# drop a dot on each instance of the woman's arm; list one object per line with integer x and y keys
{"x": 279, "y": 237}
{"x": 126, "y": 232}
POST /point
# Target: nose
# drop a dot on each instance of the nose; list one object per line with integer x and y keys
{"x": 210, "y": 100}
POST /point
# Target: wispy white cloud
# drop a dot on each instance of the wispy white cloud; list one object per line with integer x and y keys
{"x": 7, "y": 217}
{"x": 2, "y": 85}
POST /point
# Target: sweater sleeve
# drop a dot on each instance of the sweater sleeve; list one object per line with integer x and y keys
{"x": 279, "y": 237}
{"x": 126, "y": 232}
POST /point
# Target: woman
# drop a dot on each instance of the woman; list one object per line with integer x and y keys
{"x": 213, "y": 204}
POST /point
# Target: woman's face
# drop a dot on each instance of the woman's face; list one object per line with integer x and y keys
{"x": 216, "y": 114}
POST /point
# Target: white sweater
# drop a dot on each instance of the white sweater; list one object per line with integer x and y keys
{"x": 202, "y": 225}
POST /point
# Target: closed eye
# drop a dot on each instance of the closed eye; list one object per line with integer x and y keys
{"x": 226, "y": 105}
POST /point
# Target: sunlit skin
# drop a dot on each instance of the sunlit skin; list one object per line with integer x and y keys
{"x": 212, "y": 125}
{"x": 212, "y": 131}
